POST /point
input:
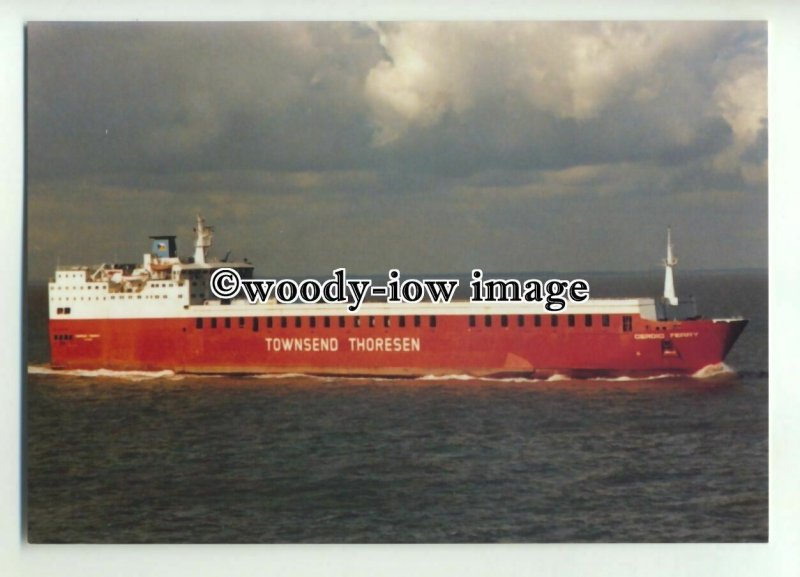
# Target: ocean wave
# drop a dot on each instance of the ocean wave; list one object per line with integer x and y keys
{"x": 625, "y": 379}
{"x": 466, "y": 377}
{"x": 511, "y": 380}
{"x": 104, "y": 373}
{"x": 453, "y": 377}
{"x": 719, "y": 370}
{"x": 289, "y": 376}
{"x": 714, "y": 371}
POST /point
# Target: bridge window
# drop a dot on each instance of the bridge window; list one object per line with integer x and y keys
{"x": 371, "y": 321}
{"x": 269, "y": 322}
{"x": 606, "y": 321}
{"x": 587, "y": 320}
{"x": 327, "y": 322}
{"x": 471, "y": 320}
{"x": 520, "y": 320}
{"x": 487, "y": 320}
{"x": 341, "y": 322}
{"x": 241, "y": 322}
{"x": 284, "y": 322}
{"x": 571, "y": 320}
{"x": 504, "y": 320}
{"x": 227, "y": 322}
{"x": 417, "y": 320}
{"x": 627, "y": 323}
{"x": 198, "y": 323}
{"x": 312, "y": 322}
{"x": 356, "y": 322}
{"x": 432, "y": 321}
{"x": 537, "y": 320}
{"x": 401, "y": 322}
{"x": 387, "y": 322}
{"x": 214, "y": 323}
{"x": 298, "y": 322}
{"x": 553, "y": 320}
{"x": 255, "y": 324}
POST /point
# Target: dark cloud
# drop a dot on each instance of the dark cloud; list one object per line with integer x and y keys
{"x": 185, "y": 97}
{"x": 426, "y": 145}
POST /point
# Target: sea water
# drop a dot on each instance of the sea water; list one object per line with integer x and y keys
{"x": 165, "y": 458}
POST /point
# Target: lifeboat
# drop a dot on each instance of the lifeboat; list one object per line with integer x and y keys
{"x": 158, "y": 266}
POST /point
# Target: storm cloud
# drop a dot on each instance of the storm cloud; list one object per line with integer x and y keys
{"x": 434, "y": 147}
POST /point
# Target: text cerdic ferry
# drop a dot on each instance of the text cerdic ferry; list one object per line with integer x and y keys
{"x": 161, "y": 315}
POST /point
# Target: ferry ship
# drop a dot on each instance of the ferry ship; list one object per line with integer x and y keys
{"x": 162, "y": 315}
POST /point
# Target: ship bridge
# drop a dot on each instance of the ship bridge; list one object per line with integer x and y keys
{"x": 160, "y": 285}
{"x": 162, "y": 263}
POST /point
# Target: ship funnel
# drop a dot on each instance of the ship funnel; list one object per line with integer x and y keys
{"x": 164, "y": 246}
{"x": 669, "y": 262}
{"x": 202, "y": 241}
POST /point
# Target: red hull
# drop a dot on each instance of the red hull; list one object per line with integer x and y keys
{"x": 452, "y": 346}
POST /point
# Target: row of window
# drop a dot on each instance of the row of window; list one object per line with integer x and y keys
{"x": 588, "y": 321}
{"x": 113, "y": 297}
{"x": 62, "y": 337}
{"x": 82, "y": 287}
{"x": 269, "y": 322}
{"x": 372, "y": 321}
{"x": 103, "y": 286}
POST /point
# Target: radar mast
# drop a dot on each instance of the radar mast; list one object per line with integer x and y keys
{"x": 202, "y": 240}
{"x": 669, "y": 262}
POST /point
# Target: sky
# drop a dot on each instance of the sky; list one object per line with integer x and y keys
{"x": 431, "y": 147}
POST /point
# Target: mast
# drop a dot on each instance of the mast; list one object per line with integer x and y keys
{"x": 669, "y": 262}
{"x": 202, "y": 240}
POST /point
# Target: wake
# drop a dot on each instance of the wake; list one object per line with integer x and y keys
{"x": 105, "y": 373}
{"x": 716, "y": 371}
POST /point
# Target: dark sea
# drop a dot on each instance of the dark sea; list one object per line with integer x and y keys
{"x": 163, "y": 458}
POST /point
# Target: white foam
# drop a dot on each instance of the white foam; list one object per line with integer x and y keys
{"x": 511, "y": 380}
{"x": 712, "y": 371}
{"x": 289, "y": 376}
{"x": 625, "y": 379}
{"x": 465, "y": 377}
{"x": 105, "y": 373}
{"x": 707, "y": 372}
{"x": 454, "y": 377}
